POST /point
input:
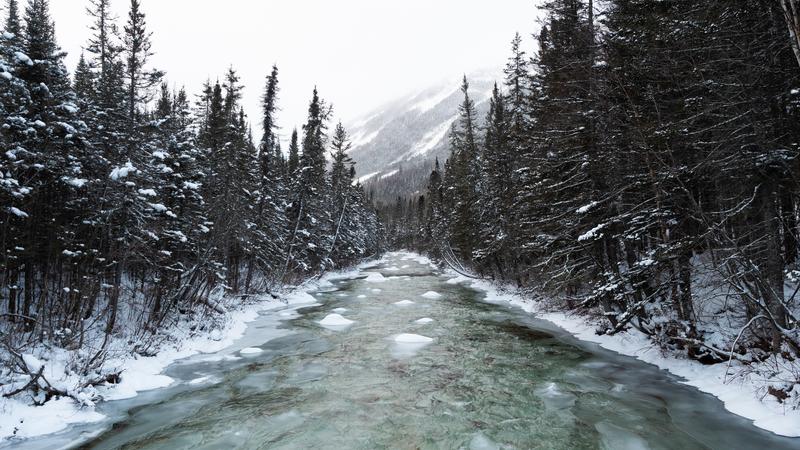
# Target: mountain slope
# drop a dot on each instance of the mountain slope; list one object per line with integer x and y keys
{"x": 395, "y": 146}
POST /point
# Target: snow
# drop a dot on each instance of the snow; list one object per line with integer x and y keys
{"x": 367, "y": 177}
{"x": 430, "y": 140}
{"x": 251, "y": 351}
{"x": 6, "y": 75}
{"x": 458, "y": 280}
{"x": 17, "y": 212}
{"x": 362, "y": 138}
{"x": 591, "y": 234}
{"x": 586, "y": 208}
{"x": 158, "y": 207}
{"x": 376, "y": 291}
{"x": 412, "y": 339}
{"x": 335, "y": 320}
{"x": 23, "y": 58}
{"x": 124, "y": 171}
{"x": 70, "y": 108}
{"x": 432, "y": 295}
{"x": 77, "y": 182}
{"x": 340, "y": 310}
{"x": 428, "y": 103}
{"x": 375, "y": 277}
{"x": 389, "y": 174}
{"x": 159, "y": 154}
{"x": 23, "y": 421}
{"x": 404, "y": 303}
{"x": 148, "y": 192}
{"x": 32, "y": 363}
{"x": 424, "y": 321}
{"x": 300, "y": 298}
{"x": 201, "y": 380}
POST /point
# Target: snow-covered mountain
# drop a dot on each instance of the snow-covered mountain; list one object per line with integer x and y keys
{"x": 395, "y": 146}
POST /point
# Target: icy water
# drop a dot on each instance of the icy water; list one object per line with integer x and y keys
{"x": 492, "y": 377}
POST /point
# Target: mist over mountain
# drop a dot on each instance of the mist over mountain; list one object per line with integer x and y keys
{"x": 396, "y": 145}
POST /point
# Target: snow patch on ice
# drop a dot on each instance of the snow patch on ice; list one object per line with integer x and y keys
{"x": 432, "y": 295}
{"x": 336, "y": 321}
{"x": 424, "y": 321}
{"x": 406, "y": 338}
{"x": 375, "y": 277}
{"x": 405, "y": 303}
{"x": 251, "y": 351}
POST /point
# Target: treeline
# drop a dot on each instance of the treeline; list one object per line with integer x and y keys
{"x": 125, "y": 205}
{"x": 641, "y": 165}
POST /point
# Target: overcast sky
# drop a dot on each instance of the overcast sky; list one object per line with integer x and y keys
{"x": 360, "y": 53}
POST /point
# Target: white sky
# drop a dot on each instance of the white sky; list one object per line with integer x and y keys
{"x": 360, "y": 53}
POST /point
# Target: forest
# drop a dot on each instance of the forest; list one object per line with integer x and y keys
{"x": 127, "y": 208}
{"x": 640, "y": 168}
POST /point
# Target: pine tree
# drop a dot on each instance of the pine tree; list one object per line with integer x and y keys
{"x": 137, "y": 51}
{"x": 497, "y": 196}
{"x": 294, "y": 153}
{"x": 269, "y": 139}
{"x": 463, "y": 177}
{"x": 12, "y": 24}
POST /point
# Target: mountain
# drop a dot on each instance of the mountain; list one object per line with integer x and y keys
{"x": 396, "y": 145}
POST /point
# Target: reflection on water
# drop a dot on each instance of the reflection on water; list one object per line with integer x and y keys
{"x": 490, "y": 378}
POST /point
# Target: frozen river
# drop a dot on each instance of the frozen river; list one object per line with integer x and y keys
{"x": 398, "y": 358}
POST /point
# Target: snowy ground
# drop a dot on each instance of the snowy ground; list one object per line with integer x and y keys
{"x": 19, "y": 419}
{"x": 741, "y": 394}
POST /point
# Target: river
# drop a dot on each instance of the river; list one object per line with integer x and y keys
{"x": 490, "y": 377}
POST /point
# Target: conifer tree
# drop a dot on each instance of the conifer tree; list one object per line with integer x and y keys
{"x": 294, "y": 153}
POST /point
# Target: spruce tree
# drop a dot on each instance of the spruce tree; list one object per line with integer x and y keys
{"x": 294, "y": 153}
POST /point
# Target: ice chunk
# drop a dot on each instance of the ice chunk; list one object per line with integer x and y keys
{"x": 300, "y": 298}
{"x": 362, "y": 296}
{"x": 617, "y": 438}
{"x": 200, "y": 380}
{"x": 340, "y": 310}
{"x": 404, "y": 303}
{"x": 481, "y": 442}
{"x": 377, "y": 291}
{"x": 432, "y": 295}
{"x": 412, "y": 339}
{"x": 424, "y": 321}
{"x": 335, "y": 320}
{"x": 250, "y": 351}
{"x": 375, "y": 278}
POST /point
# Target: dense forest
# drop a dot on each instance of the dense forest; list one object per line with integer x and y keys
{"x": 640, "y": 167}
{"x": 127, "y": 207}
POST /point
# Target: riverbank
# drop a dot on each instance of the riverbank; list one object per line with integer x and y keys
{"x": 742, "y": 389}
{"x": 20, "y": 419}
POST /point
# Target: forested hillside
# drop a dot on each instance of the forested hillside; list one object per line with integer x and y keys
{"x": 127, "y": 207}
{"x": 640, "y": 167}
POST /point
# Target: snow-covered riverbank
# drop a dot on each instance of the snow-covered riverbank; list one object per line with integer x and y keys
{"x": 741, "y": 393}
{"x": 21, "y": 419}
